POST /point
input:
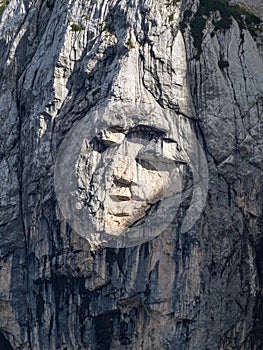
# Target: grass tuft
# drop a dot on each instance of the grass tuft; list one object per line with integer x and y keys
{"x": 76, "y": 27}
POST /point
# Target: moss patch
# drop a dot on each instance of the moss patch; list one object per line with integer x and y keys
{"x": 171, "y": 17}
{"x": 76, "y": 27}
{"x": 130, "y": 44}
{"x": 3, "y": 6}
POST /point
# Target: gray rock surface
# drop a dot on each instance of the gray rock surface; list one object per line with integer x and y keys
{"x": 255, "y": 6}
{"x": 201, "y": 289}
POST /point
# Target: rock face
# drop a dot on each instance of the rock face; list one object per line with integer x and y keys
{"x": 143, "y": 80}
{"x": 254, "y": 6}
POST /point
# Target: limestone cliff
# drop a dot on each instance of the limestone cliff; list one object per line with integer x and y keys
{"x": 84, "y": 80}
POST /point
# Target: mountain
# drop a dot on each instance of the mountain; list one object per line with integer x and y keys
{"x": 131, "y": 175}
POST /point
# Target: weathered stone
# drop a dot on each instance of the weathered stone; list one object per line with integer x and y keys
{"x": 197, "y": 285}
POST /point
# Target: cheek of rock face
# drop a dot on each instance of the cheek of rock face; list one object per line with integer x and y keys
{"x": 149, "y": 186}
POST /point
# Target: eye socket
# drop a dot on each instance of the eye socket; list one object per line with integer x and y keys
{"x": 114, "y": 136}
{"x": 98, "y": 144}
{"x": 139, "y": 135}
{"x": 147, "y": 164}
{"x": 107, "y": 138}
{"x": 144, "y": 132}
{"x": 158, "y": 163}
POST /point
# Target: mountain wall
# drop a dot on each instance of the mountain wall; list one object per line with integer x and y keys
{"x": 187, "y": 73}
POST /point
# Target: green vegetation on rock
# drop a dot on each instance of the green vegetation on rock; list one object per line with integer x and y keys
{"x": 244, "y": 19}
{"x": 130, "y": 44}
{"x": 171, "y": 17}
{"x": 3, "y": 6}
{"x": 76, "y": 27}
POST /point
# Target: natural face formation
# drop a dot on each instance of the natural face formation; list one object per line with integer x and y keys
{"x": 133, "y": 172}
{"x": 123, "y": 186}
{"x": 112, "y": 116}
{"x": 127, "y": 182}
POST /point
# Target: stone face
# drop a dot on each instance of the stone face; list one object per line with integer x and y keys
{"x": 119, "y": 85}
{"x": 121, "y": 176}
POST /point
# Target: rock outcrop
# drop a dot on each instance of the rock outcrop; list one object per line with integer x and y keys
{"x": 94, "y": 85}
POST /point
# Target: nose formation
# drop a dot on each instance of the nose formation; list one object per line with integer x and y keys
{"x": 123, "y": 178}
{"x": 120, "y": 193}
{"x": 131, "y": 181}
